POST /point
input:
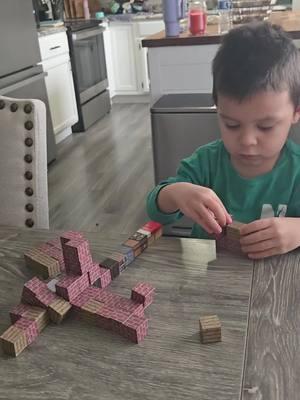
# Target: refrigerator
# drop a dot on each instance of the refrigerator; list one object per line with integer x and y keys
{"x": 20, "y": 74}
{"x": 180, "y": 124}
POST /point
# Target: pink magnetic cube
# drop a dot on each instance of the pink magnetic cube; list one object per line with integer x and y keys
{"x": 143, "y": 293}
{"x": 29, "y": 327}
{"x": 94, "y": 273}
{"x": 77, "y": 256}
{"x": 35, "y": 285}
{"x": 55, "y": 253}
{"x": 55, "y": 243}
{"x": 103, "y": 317}
{"x": 70, "y": 286}
{"x": 80, "y": 300}
{"x": 18, "y": 311}
{"x": 46, "y": 297}
{"x": 104, "y": 279}
{"x": 70, "y": 235}
{"x": 135, "y": 328}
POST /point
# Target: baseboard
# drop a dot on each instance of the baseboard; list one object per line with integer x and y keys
{"x": 131, "y": 98}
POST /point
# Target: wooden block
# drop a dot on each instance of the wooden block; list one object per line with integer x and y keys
{"x": 233, "y": 230}
{"x": 42, "y": 264}
{"x": 13, "y": 341}
{"x": 210, "y": 329}
{"x": 58, "y": 310}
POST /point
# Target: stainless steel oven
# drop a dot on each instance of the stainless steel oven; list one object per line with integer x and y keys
{"x": 89, "y": 72}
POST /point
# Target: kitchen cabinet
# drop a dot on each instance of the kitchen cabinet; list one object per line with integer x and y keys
{"x": 123, "y": 58}
{"x": 127, "y": 64}
{"x": 59, "y": 83}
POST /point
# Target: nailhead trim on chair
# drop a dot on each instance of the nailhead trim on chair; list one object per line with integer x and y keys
{"x": 29, "y": 207}
{"x": 28, "y": 158}
{"x": 2, "y": 104}
{"x": 29, "y": 191}
{"x": 14, "y": 107}
{"x": 28, "y": 175}
{"x": 28, "y": 142}
{"x": 27, "y": 108}
{"x": 29, "y": 222}
{"x": 28, "y": 125}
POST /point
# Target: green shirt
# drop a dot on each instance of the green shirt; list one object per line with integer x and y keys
{"x": 276, "y": 193}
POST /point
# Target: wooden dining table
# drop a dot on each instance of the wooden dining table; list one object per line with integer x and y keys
{"x": 257, "y": 303}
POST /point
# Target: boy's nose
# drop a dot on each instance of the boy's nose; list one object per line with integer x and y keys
{"x": 247, "y": 139}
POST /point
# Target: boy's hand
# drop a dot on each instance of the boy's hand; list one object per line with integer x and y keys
{"x": 199, "y": 203}
{"x": 270, "y": 236}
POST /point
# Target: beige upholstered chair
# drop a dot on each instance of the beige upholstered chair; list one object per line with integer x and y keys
{"x": 23, "y": 163}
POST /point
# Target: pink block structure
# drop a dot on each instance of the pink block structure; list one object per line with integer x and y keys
{"x": 36, "y": 293}
{"x": 70, "y": 286}
{"x": 77, "y": 256}
{"x": 99, "y": 276}
{"x": 143, "y": 293}
{"x": 55, "y": 243}
{"x": 135, "y": 329}
{"x": 29, "y": 327}
{"x": 18, "y": 311}
{"x": 55, "y": 253}
{"x": 70, "y": 235}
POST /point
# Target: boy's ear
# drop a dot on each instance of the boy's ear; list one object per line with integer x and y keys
{"x": 296, "y": 116}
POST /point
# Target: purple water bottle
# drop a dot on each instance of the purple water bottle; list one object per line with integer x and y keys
{"x": 173, "y": 12}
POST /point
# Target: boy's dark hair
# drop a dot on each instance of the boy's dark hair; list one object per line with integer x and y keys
{"x": 254, "y": 57}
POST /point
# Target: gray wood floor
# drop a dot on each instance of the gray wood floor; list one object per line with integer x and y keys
{"x": 101, "y": 177}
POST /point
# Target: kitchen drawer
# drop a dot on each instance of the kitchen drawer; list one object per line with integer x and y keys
{"x": 53, "y": 45}
{"x": 146, "y": 28}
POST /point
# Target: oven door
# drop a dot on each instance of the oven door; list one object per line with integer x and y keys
{"x": 90, "y": 65}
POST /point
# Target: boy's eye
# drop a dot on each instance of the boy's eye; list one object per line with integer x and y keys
{"x": 232, "y": 126}
{"x": 265, "y": 128}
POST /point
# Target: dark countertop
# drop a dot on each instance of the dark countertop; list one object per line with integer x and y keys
{"x": 289, "y": 20}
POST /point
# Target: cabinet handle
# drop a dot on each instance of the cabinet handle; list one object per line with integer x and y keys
{"x": 55, "y": 47}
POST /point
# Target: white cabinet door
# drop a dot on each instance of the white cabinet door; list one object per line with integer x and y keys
{"x": 109, "y": 59}
{"x": 142, "y": 66}
{"x": 61, "y": 94}
{"x": 124, "y": 58}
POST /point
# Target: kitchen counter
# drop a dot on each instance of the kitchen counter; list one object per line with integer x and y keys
{"x": 44, "y": 31}
{"x": 289, "y": 20}
{"x": 143, "y": 16}
{"x": 183, "y": 64}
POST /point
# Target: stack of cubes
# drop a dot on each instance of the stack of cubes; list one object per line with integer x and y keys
{"x": 69, "y": 257}
{"x": 112, "y": 312}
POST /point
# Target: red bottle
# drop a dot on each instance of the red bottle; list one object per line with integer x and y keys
{"x": 197, "y": 17}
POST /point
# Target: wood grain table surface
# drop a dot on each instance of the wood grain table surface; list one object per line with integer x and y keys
{"x": 79, "y": 361}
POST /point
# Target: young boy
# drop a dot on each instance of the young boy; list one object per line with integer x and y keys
{"x": 253, "y": 172}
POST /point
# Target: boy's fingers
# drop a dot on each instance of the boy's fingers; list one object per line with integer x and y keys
{"x": 208, "y": 217}
{"x": 227, "y": 215}
{"x": 256, "y": 237}
{"x": 263, "y": 254}
{"x": 255, "y": 226}
{"x": 219, "y": 212}
{"x": 258, "y": 247}
{"x": 200, "y": 221}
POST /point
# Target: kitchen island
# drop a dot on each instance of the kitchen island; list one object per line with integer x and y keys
{"x": 183, "y": 64}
